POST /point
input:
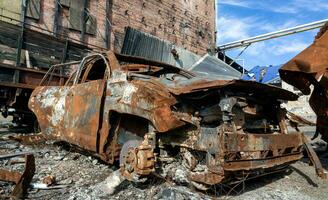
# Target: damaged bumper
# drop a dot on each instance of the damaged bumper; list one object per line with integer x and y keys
{"x": 256, "y": 151}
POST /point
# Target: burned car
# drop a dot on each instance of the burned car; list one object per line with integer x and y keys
{"x": 151, "y": 116}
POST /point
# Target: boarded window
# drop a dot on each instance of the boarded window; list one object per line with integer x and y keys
{"x": 76, "y": 14}
{"x": 91, "y": 25}
{"x": 66, "y": 3}
{"x": 11, "y": 10}
{"x": 33, "y": 9}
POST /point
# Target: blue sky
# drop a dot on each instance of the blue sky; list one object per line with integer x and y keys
{"x": 240, "y": 19}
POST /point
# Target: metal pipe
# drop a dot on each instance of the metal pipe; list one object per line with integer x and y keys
{"x": 272, "y": 35}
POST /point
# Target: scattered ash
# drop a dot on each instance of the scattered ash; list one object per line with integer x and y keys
{"x": 82, "y": 176}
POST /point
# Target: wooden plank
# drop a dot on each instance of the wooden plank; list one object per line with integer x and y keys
{"x": 16, "y": 85}
{"x": 8, "y": 41}
{"x": 7, "y": 56}
{"x": 5, "y": 66}
{"x": 11, "y": 9}
{"x": 43, "y": 41}
{"x": 33, "y": 9}
{"x": 43, "y": 50}
{"x": 40, "y": 46}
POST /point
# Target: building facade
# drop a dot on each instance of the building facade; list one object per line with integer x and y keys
{"x": 101, "y": 23}
{"x": 186, "y": 23}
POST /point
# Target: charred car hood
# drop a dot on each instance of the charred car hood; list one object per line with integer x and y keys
{"x": 198, "y": 84}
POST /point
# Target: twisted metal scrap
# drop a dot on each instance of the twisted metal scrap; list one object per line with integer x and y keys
{"x": 22, "y": 181}
{"x": 310, "y": 67}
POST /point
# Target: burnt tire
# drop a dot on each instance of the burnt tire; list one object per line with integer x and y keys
{"x": 131, "y": 144}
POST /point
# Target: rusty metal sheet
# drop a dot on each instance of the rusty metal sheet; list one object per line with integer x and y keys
{"x": 298, "y": 119}
{"x": 9, "y": 176}
{"x": 254, "y": 151}
{"x": 144, "y": 99}
{"x": 310, "y": 63}
{"x": 29, "y": 139}
{"x": 257, "y": 164}
{"x": 70, "y": 113}
{"x": 207, "y": 178}
{"x": 22, "y": 181}
{"x": 314, "y": 159}
{"x": 310, "y": 67}
{"x": 261, "y": 142}
{"x": 236, "y": 85}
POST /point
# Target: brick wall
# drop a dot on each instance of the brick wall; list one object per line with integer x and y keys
{"x": 187, "y": 23}
{"x": 96, "y": 8}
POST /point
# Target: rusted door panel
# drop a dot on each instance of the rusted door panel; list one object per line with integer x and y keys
{"x": 49, "y": 105}
{"x": 70, "y": 113}
{"x": 83, "y": 111}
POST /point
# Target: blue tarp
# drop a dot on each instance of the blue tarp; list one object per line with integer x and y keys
{"x": 271, "y": 73}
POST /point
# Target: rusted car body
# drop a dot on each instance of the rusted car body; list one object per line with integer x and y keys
{"x": 149, "y": 115}
{"x": 310, "y": 67}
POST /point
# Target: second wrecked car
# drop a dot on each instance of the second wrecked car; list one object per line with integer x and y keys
{"x": 151, "y": 116}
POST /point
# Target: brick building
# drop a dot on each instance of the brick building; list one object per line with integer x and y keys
{"x": 186, "y": 23}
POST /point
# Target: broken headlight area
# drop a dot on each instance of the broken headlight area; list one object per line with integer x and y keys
{"x": 226, "y": 135}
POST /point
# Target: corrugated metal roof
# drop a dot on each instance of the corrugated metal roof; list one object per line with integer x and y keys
{"x": 141, "y": 44}
{"x": 213, "y": 68}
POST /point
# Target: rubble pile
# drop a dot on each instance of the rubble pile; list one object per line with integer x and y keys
{"x": 64, "y": 172}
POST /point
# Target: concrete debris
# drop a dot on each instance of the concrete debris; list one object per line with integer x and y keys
{"x": 178, "y": 192}
{"x": 78, "y": 178}
{"x": 108, "y": 186}
{"x": 49, "y": 180}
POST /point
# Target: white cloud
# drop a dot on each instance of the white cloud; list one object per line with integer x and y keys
{"x": 256, "y": 49}
{"x": 267, "y": 52}
{"x": 231, "y": 29}
{"x": 239, "y": 3}
{"x": 317, "y": 5}
{"x": 291, "y": 6}
{"x": 287, "y": 46}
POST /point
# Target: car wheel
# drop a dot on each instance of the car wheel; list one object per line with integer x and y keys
{"x": 127, "y": 159}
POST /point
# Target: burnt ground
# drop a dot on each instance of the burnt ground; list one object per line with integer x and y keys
{"x": 83, "y": 177}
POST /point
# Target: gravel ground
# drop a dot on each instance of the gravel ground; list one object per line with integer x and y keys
{"x": 85, "y": 177}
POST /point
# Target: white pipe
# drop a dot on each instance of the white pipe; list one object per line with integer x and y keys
{"x": 276, "y": 34}
{"x": 28, "y": 61}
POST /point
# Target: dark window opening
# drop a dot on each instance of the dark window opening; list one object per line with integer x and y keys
{"x": 97, "y": 71}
